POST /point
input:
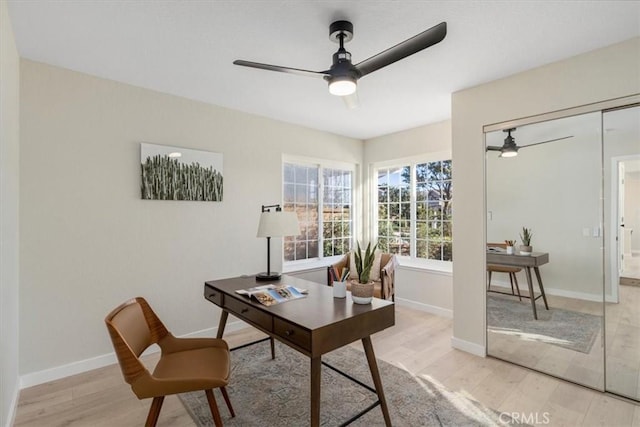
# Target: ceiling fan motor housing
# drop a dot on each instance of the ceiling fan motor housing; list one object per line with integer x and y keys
{"x": 342, "y": 70}
{"x": 341, "y": 30}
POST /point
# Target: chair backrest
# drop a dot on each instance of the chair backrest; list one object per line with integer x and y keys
{"x": 133, "y": 327}
{"x": 497, "y": 245}
{"x": 384, "y": 259}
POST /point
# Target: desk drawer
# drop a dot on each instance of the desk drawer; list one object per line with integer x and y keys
{"x": 248, "y": 312}
{"x": 213, "y": 295}
{"x": 292, "y": 333}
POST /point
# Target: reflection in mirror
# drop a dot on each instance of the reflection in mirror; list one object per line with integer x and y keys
{"x": 552, "y": 188}
{"x": 622, "y": 255}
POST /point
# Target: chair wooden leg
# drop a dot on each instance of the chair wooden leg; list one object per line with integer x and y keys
{"x": 513, "y": 291}
{"x": 154, "y": 411}
{"x": 489, "y": 280}
{"x": 226, "y": 399}
{"x": 214, "y": 408}
{"x": 273, "y": 347}
{"x": 515, "y": 279}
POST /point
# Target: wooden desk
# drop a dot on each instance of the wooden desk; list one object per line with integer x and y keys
{"x": 534, "y": 260}
{"x": 314, "y": 325}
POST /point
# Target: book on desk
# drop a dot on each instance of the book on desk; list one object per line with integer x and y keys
{"x": 273, "y": 294}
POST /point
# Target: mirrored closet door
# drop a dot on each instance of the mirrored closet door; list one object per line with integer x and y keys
{"x": 621, "y": 145}
{"x": 553, "y": 188}
{"x": 575, "y": 186}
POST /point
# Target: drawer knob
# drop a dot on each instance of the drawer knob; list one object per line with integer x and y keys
{"x": 244, "y": 310}
{"x": 288, "y": 332}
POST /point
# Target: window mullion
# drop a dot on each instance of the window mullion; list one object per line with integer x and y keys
{"x": 413, "y": 232}
{"x": 320, "y": 190}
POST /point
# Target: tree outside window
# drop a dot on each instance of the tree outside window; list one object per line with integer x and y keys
{"x": 414, "y": 210}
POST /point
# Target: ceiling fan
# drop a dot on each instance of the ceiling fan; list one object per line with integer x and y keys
{"x": 510, "y": 149}
{"x": 342, "y": 76}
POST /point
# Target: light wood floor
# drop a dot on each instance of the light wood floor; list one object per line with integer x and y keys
{"x": 419, "y": 342}
{"x": 622, "y": 349}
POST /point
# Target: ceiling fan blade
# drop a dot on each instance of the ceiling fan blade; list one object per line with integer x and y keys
{"x": 544, "y": 142}
{"x": 493, "y": 148}
{"x": 406, "y": 48}
{"x": 351, "y": 101}
{"x": 289, "y": 70}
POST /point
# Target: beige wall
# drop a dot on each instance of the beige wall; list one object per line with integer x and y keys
{"x": 599, "y": 75}
{"x": 9, "y": 201}
{"x": 87, "y": 240}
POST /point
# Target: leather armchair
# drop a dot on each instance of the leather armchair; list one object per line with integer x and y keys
{"x": 383, "y": 288}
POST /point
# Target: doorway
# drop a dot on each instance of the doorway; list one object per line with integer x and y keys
{"x": 628, "y": 220}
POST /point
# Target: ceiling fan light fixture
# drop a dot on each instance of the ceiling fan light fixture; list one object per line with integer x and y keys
{"x": 342, "y": 86}
{"x": 509, "y": 149}
{"x": 508, "y": 152}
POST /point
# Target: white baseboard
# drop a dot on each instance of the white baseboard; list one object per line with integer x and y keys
{"x": 439, "y": 311}
{"x": 52, "y": 374}
{"x": 506, "y": 287}
{"x": 469, "y": 347}
{"x": 11, "y": 416}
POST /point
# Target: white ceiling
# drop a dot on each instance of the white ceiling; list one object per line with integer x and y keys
{"x": 187, "y": 48}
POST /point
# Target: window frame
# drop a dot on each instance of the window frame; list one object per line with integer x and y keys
{"x": 322, "y": 164}
{"x": 412, "y": 260}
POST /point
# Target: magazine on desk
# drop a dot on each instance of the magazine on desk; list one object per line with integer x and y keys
{"x": 273, "y": 294}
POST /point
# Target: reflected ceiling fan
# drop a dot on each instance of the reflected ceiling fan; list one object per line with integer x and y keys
{"x": 342, "y": 76}
{"x": 510, "y": 149}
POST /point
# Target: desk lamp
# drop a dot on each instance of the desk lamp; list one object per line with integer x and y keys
{"x": 275, "y": 223}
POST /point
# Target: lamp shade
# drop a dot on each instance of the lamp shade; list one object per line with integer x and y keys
{"x": 278, "y": 224}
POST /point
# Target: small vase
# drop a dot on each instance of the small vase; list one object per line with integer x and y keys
{"x": 509, "y": 250}
{"x": 361, "y": 293}
{"x": 339, "y": 289}
{"x": 526, "y": 250}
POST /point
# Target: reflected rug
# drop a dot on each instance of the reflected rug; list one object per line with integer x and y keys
{"x": 565, "y": 328}
{"x": 266, "y": 392}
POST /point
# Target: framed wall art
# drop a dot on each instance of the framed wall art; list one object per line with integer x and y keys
{"x": 176, "y": 173}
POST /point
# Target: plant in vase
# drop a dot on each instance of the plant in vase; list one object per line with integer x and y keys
{"x": 525, "y": 237}
{"x": 362, "y": 289}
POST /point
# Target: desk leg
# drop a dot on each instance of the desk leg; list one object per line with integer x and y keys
{"x": 316, "y": 366}
{"x": 222, "y": 323}
{"x": 531, "y": 294}
{"x": 375, "y": 375}
{"x": 544, "y": 297}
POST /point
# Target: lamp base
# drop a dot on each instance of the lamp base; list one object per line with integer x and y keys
{"x": 263, "y": 277}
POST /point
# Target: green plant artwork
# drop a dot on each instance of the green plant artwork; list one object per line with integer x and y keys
{"x": 173, "y": 173}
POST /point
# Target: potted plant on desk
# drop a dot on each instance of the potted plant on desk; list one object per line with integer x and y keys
{"x": 525, "y": 236}
{"x": 362, "y": 289}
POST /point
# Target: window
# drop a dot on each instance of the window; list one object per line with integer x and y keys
{"x": 414, "y": 210}
{"x": 332, "y": 213}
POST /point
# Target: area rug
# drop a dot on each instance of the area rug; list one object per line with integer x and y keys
{"x": 266, "y": 392}
{"x": 565, "y": 328}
